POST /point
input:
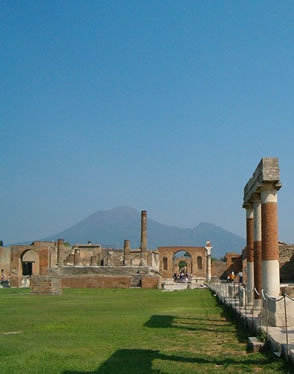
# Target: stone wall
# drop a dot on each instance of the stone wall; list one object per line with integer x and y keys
{"x": 5, "y": 259}
{"x": 218, "y": 269}
{"x": 45, "y": 285}
{"x": 286, "y": 262}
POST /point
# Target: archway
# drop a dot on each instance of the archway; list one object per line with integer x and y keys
{"x": 182, "y": 265}
{"x": 30, "y": 263}
{"x": 170, "y": 257}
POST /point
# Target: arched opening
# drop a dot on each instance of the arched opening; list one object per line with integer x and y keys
{"x": 164, "y": 263}
{"x": 182, "y": 266}
{"x": 199, "y": 262}
{"x": 30, "y": 263}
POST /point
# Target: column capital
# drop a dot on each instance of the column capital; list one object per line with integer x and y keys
{"x": 249, "y": 212}
{"x": 255, "y": 199}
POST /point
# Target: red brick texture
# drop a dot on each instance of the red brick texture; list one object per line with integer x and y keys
{"x": 96, "y": 282}
{"x": 269, "y": 220}
{"x": 45, "y": 285}
{"x": 151, "y": 282}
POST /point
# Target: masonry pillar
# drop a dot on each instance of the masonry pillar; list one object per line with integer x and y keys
{"x": 127, "y": 247}
{"x": 250, "y": 253}
{"x": 60, "y": 252}
{"x": 257, "y": 248}
{"x": 270, "y": 246}
{"x": 143, "y": 237}
{"x": 77, "y": 257}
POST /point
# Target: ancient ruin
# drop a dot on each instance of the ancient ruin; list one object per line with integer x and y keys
{"x": 48, "y": 266}
{"x": 260, "y": 202}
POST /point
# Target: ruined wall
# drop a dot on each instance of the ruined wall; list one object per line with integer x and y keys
{"x": 234, "y": 263}
{"x": 218, "y": 269}
{"x": 286, "y": 262}
{"x": 45, "y": 285}
{"x": 98, "y": 281}
{"x": 151, "y": 282}
{"x": 5, "y": 259}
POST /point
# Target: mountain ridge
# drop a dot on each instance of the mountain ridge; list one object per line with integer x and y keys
{"x": 111, "y": 227}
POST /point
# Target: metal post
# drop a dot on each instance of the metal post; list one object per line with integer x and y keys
{"x": 286, "y": 327}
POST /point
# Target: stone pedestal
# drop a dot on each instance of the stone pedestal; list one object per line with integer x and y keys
{"x": 276, "y": 312}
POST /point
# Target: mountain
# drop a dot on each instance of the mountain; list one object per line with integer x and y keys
{"x": 112, "y": 226}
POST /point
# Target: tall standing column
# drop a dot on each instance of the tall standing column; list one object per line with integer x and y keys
{"x": 270, "y": 245}
{"x": 208, "y": 248}
{"x": 257, "y": 249}
{"x": 127, "y": 247}
{"x": 143, "y": 245}
{"x": 60, "y": 252}
{"x": 250, "y": 253}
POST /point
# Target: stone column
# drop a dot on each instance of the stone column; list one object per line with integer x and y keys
{"x": 208, "y": 248}
{"x": 270, "y": 245}
{"x": 143, "y": 245}
{"x": 60, "y": 252}
{"x": 77, "y": 257}
{"x": 127, "y": 247}
{"x": 257, "y": 248}
{"x": 250, "y": 253}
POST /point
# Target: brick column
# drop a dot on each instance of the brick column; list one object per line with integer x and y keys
{"x": 60, "y": 252}
{"x": 270, "y": 246}
{"x": 250, "y": 252}
{"x": 257, "y": 248}
{"x": 143, "y": 245}
{"x": 127, "y": 247}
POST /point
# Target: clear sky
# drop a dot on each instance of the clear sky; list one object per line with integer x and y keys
{"x": 160, "y": 105}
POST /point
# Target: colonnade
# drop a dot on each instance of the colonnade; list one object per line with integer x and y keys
{"x": 262, "y": 247}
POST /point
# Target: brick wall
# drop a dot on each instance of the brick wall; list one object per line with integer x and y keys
{"x": 95, "y": 282}
{"x": 151, "y": 282}
{"x": 218, "y": 269}
{"x": 45, "y": 285}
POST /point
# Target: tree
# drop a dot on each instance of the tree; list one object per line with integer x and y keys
{"x": 1, "y": 243}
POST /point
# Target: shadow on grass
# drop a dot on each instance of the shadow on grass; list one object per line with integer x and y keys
{"x": 139, "y": 361}
{"x": 183, "y": 323}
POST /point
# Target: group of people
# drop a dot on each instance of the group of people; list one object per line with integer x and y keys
{"x": 233, "y": 278}
{"x": 181, "y": 277}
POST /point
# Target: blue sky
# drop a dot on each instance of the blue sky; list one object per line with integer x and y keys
{"x": 160, "y": 105}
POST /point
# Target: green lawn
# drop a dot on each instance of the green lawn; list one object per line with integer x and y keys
{"x": 122, "y": 331}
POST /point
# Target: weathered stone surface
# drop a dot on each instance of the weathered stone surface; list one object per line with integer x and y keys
{"x": 151, "y": 282}
{"x": 254, "y": 344}
{"x": 45, "y": 285}
{"x": 267, "y": 171}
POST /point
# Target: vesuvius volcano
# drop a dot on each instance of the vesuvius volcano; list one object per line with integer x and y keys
{"x": 111, "y": 227}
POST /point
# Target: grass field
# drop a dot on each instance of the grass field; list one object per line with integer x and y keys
{"x": 122, "y": 331}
